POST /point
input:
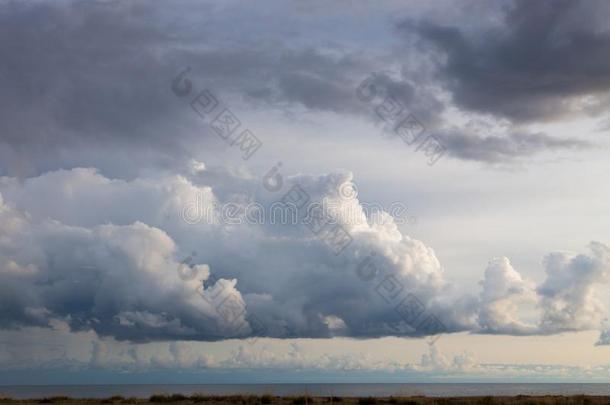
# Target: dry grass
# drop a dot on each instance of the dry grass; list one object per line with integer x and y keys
{"x": 268, "y": 399}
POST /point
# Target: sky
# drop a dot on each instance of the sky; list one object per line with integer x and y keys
{"x": 296, "y": 191}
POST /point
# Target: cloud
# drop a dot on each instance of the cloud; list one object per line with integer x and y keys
{"x": 436, "y": 361}
{"x": 503, "y": 290}
{"x": 90, "y": 84}
{"x": 58, "y": 350}
{"x": 121, "y": 243}
{"x": 544, "y": 60}
{"x": 80, "y": 77}
{"x": 567, "y": 300}
{"x": 144, "y": 273}
{"x": 128, "y": 261}
{"x": 569, "y": 294}
{"x": 115, "y": 280}
{"x": 504, "y": 148}
{"x": 604, "y": 338}
{"x": 88, "y": 81}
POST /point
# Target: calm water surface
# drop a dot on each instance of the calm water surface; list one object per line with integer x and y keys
{"x": 356, "y": 390}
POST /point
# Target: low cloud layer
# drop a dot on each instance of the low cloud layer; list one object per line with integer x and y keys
{"x": 84, "y": 352}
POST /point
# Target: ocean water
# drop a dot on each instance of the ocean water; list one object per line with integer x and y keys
{"x": 353, "y": 390}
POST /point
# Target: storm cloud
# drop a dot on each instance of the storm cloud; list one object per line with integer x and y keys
{"x": 545, "y": 60}
{"x": 85, "y": 77}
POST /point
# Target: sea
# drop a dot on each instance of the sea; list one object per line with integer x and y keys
{"x": 344, "y": 390}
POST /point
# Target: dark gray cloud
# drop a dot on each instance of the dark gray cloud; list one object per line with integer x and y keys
{"x": 505, "y": 148}
{"x": 531, "y": 67}
{"x": 82, "y": 76}
{"x": 87, "y": 83}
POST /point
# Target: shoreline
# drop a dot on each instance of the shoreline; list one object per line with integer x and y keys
{"x": 268, "y": 399}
